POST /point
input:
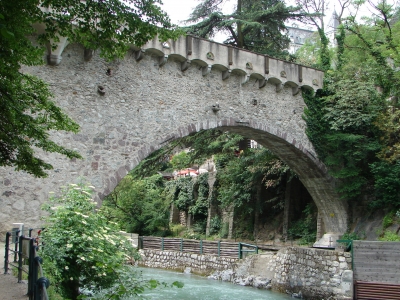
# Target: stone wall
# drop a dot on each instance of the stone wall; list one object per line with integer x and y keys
{"x": 181, "y": 261}
{"x": 302, "y": 272}
{"x": 316, "y": 273}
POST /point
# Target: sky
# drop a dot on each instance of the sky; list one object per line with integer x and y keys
{"x": 179, "y": 10}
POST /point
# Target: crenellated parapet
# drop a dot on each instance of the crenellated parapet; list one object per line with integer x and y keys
{"x": 211, "y": 55}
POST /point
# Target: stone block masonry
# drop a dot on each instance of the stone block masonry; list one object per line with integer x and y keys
{"x": 306, "y": 272}
{"x": 317, "y": 274}
{"x": 180, "y": 261}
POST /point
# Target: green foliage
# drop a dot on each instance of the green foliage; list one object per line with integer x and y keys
{"x": 28, "y": 113}
{"x": 239, "y": 179}
{"x": 132, "y": 22}
{"x": 254, "y": 25}
{"x": 353, "y": 236}
{"x": 305, "y": 227}
{"x": 387, "y": 185}
{"x": 309, "y": 53}
{"x": 181, "y": 192}
{"x": 224, "y": 231}
{"x": 215, "y": 225}
{"x": 388, "y": 220}
{"x": 139, "y": 206}
{"x": 180, "y": 161}
{"x": 199, "y": 227}
{"x": 390, "y": 236}
{"x": 200, "y": 206}
{"x": 350, "y": 123}
{"x": 203, "y": 145}
{"x": 82, "y": 250}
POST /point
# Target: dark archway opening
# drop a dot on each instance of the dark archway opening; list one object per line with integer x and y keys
{"x": 264, "y": 202}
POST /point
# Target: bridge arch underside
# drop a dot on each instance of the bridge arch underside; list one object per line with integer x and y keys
{"x": 312, "y": 173}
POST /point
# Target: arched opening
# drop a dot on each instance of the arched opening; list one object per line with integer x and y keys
{"x": 312, "y": 181}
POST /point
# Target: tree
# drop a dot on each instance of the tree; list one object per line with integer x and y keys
{"x": 353, "y": 122}
{"x": 28, "y": 114}
{"x": 138, "y": 205}
{"x": 255, "y": 25}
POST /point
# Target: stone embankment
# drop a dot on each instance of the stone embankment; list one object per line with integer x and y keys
{"x": 301, "y": 272}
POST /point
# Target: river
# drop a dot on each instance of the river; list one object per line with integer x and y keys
{"x": 197, "y": 287}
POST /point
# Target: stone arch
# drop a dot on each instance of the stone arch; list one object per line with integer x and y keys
{"x": 312, "y": 173}
{"x": 153, "y": 96}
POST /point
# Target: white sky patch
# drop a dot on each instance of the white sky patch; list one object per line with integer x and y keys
{"x": 179, "y": 10}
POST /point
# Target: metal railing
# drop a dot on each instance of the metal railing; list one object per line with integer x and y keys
{"x": 216, "y": 248}
{"x": 247, "y": 248}
{"x": 24, "y": 250}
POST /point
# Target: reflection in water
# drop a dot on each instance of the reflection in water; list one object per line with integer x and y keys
{"x": 197, "y": 287}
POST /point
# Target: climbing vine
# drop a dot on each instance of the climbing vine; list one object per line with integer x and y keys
{"x": 200, "y": 204}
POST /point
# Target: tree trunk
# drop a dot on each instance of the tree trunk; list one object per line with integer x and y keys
{"x": 257, "y": 212}
{"x": 239, "y": 26}
{"x": 211, "y": 205}
{"x": 286, "y": 211}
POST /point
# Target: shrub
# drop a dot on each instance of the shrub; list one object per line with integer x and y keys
{"x": 81, "y": 249}
{"x": 353, "y": 236}
{"x": 215, "y": 225}
{"x": 388, "y": 220}
{"x": 390, "y": 236}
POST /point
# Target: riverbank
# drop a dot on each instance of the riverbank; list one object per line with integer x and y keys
{"x": 313, "y": 273}
{"x": 10, "y": 289}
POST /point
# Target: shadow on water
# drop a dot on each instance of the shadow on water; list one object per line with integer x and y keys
{"x": 197, "y": 287}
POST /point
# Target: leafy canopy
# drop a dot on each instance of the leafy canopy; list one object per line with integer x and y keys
{"x": 138, "y": 205}
{"x": 255, "y": 25}
{"x": 28, "y": 114}
{"x": 353, "y": 121}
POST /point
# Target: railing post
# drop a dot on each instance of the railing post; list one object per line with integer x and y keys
{"x": 352, "y": 255}
{"x": 21, "y": 238}
{"x": 240, "y": 250}
{"x": 201, "y": 246}
{"x": 36, "y": 294}
{"x": 31, "y": 276}
{"x": 256, "y": 249}
{"x": 43, "y": 284}
{"x": 219, "y": 248}
{"x": 16, "y": 245}
{"x": 140, "y": 242}
{"x": 6, "y": 252}
{"x": 181, "y": 246}
{"x": 162, "y": 244}
{"x": 30, "y": 232}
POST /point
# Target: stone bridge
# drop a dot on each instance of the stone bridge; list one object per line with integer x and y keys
{"x": 131, "y": 107}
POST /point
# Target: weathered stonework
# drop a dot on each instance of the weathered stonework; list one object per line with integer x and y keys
{"x": 318, "y": 274}
{"x": 131, "y": 107}
{"x": 180, "y": 261}
{"x": 311, "y": 273}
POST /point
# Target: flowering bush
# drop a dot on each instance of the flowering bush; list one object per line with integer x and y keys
{"x": 82, "y": 251}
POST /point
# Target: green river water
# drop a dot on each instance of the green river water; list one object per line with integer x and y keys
{"x": 197, "y": 287}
